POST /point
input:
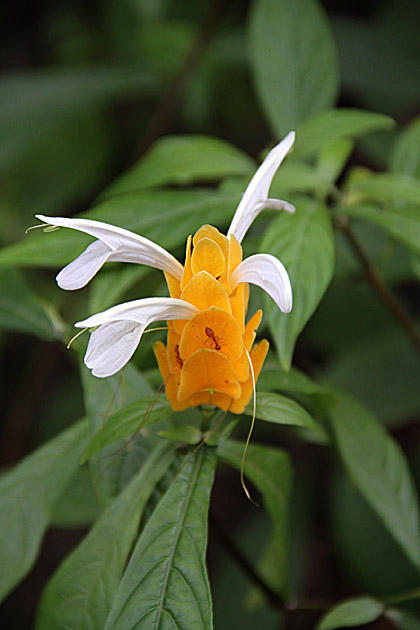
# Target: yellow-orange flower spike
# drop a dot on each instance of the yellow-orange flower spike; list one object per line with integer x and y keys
{"x": 207, "y": 358}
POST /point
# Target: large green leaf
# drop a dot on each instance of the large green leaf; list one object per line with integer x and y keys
{"x": 27, "y": 497}
{"x": 144, "y": 412}
{"x": 402, "y": 223}
{"x": 116, "y": 464}
{"x": 279, "y": 409}
{"x": 304, "y": 243}
{"x": 294, "y": 61}
{"x": 295, "y": 176}
{"x": 165, "y": 584}
{"x": 30, "y": 104}
{"x": 353, "y": 612}
{"x": 81, "y": 592}
{"x": 273, "y": 378}
{"x": 405, "y": 155}
{"x": 20, "y": 310}
{"x": 364, "y": 547}
{"x": 270, "y": 471}
{"x": 183, "y": 160}
{"x": 379, "y": 470}
{"x": 326, "y": 128}
{"x": 166, "y": 217}
{"x": 78, "y": 505}
{"x": 367, "y": 369}
{"x": 384, "y": 188}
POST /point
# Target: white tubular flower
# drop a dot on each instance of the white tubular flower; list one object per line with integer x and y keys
{"x": 267, "y": 272}
{"x": 255, "y": 198}
{"x": 113, "y": 244}
{"x": 212, "y": 359}
{"x": 120, "y": 329}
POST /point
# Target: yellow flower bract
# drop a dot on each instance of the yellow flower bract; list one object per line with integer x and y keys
{"x": 206, "y": 359}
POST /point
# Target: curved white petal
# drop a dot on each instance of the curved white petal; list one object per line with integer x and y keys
{"x": 142, "y": 312}
{"x": 255, "y": 196}
{"x": 125, "y": 246}
{"x": 274, "y": 204}
{"x": 79, "y": 272}
{"x": 267, "y": 272}
{"x": 112, "y": 345}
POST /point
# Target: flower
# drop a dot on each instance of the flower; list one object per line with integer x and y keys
{"x": 209, "y": 357}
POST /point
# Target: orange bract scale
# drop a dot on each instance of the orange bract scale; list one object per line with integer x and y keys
{"x": 187, "y": 275}
{"x": 250, "y": 329}
{"x": 208, "y": 370}
{"x": 206, "y": 360}
{"x": 214, "y": 329}
{"x": 257, "y": 355}
{"x": 173, "y": 285}
{"x": 241, "y": 367}
{"x": 208, "y": 256}
{"x": 203, "y": 291}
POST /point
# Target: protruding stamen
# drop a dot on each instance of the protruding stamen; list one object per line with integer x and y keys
{"x": 51, "y": 228}
{"x": 254, "y": 414}
{"x": 36, "y": 227}
{"x": 75, "y": 337}
{"x": 152, "y": 329}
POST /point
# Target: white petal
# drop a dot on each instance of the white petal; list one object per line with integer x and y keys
{"x": 125, "y": 245}
{"x": 142, "y": 312}
{"x": 257, "y": 191}
{"x": 274, "y": 204}
{"x": 267, "y": 272}
{"x": 111, "y": 346}
{"x": 79, "y": 272}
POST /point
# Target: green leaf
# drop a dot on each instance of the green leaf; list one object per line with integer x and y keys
{"x": 113, "y": 468}
{"x": 278, "y": 409}
{"x": 31, "y": 103}
{"x": 405, "y": 155}
{"x": 20, "y": 309}
{"x": 165, "y": 584}
{"x": 126, "y": 422}
{"x": 304, "y": 244}
{"x": 81, "y": 592}
{"x": 385, "y": 188}
{"x": 402, "y": 223}
{"x": 332, "y": 159}
{"x": 165, "y": 217}
{"x": 367, "y": 369}
{"x": 296, "y": 176}
{"x": 270, "y": 471}
{"x": 370, "y": 555}
{"x": 326, "y": 128}
{"x": 353, "y": 612}
{"x": 27, "y": 497}
{"x": 183, "y": 160}
{"x": 78, "y": 506}
{"x": 294, "y": 61}
{"x": 112, "y": 284}
{"x": 273, "y": 378}
{"x": 187, "y": 434}
{"x": 379, "y": 470}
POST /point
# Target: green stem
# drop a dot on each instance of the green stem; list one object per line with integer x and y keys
{"x": 376, "y": 281}
{"x": 402, "y": 597}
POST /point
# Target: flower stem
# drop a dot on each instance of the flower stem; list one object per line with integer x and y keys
{"x": 376, "y": 281}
